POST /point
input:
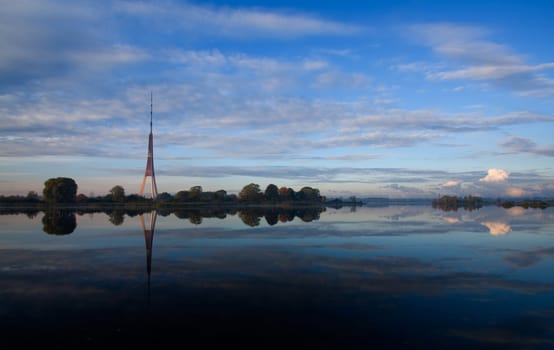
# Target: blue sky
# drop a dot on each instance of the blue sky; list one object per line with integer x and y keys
{"x": 372, "y": 98}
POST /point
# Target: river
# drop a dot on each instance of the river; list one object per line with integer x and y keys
{"x": 409, "y": 277}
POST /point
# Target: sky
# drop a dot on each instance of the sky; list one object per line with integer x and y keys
{"x": 395, "y": 99}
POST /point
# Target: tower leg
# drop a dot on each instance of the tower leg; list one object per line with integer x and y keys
{"x": 142, "y": 186}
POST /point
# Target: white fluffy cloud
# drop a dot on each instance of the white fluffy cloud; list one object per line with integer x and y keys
{"x": 495, "y": 175}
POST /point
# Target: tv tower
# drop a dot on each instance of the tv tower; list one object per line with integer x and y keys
{"x": 150, "y": 162}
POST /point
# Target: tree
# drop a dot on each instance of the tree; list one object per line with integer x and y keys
{"x": 250, "y": 192}
{"x": 291, "y": 195}
{"x": 118, "y": 193}
{"x": 207, "y": 196}
{"x": 81, "y": 198}
{"x": 182, "y": 196}
{"x": 286, "y": 194}
{"x": 164, "y": 197}
{"x": 220, "y": 195}
{"x": 32, "y": 196}
{"x": 308, "y": 194}
{"x": 195, "y": 192}
{"x": 60, "y": 190}
{"x": 271, "y": 193}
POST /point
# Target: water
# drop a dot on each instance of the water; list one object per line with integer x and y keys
{"x": 408, "y": 277}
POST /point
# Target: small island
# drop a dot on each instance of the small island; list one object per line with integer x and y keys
{"x": 453, "y": 203}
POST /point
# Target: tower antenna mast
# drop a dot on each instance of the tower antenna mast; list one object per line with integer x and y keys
{"x": 149, "y": 172}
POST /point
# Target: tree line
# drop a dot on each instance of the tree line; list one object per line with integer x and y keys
{"x": 63, "y": 190}
{"x": 452, "y": 203}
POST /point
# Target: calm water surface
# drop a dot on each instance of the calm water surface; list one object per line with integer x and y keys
{"x": 374, "y": 278}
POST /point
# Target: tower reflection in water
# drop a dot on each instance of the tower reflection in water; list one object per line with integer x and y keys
{"x": 148, "y": 229}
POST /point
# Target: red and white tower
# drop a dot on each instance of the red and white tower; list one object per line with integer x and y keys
{"x": 150, "y": 163}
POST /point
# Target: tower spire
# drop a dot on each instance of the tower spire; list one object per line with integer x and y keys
{"x": 150, "y": 162}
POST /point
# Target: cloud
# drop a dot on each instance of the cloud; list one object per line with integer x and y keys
{"x": 492, "y": 72}
{"x": 315, "y": 64}
{"x": 406, "y": 190}
{"x": 516, "y": 144}
{"x": 495, "y": 175}
{"x": 392, "y": 118}
{"x": 341, "y": 79}
{"x": 44, "y": 42}
{"x": 109, "y": 56}
{"x": 529, "y": 185}
{"x": 49, "y": 41}
{"x": 236, "y": 22}
{"x": 185, "y": 107}
{"x": 346, "y": 157}
{"x": 329, "y": 174}
{"x": 496, "y": 184}
{"x": 472, "y": 56}
{"x": 451, "y": 183}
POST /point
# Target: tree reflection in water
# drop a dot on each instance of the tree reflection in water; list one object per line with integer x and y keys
{"x": 59, "y": 221}
{"x": 62, "y": 221}
{"x": 251, "y": 216}
{"x": 117, "y": 216}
